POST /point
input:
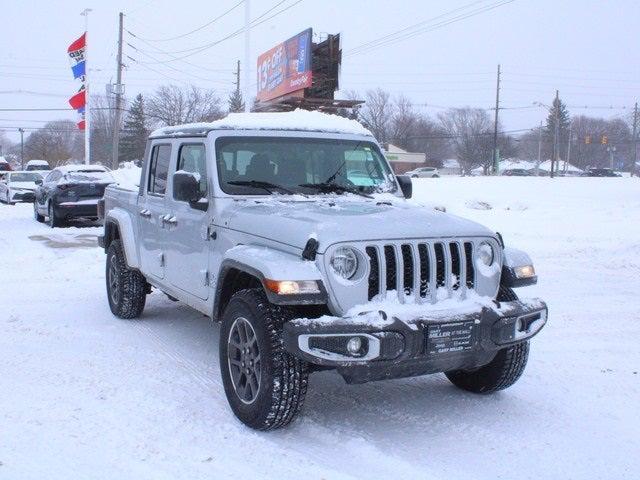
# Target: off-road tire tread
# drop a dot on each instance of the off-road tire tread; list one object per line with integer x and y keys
{"x": 134, "y": 286}
{"x": 291, "y": 375}
{"x": 503, "y": 371}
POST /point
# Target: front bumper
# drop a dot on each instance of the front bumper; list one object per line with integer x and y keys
{"x": 394, "y": 348}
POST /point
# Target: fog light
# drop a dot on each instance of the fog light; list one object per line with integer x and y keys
{"x": 354, "y": 345}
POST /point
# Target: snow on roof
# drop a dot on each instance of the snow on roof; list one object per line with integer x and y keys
{"x": 75, "y": 168}
{"x": 37, "y": 162}
{"x": 298, "y": 120}
{"x": 546, "y": 166}
{"x": 513, "y": 163}
{"x": 3, "y": 160}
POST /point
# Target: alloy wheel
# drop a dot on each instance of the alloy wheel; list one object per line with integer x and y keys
{"x": 244, "y": 360}
{"x": 114, "y": 280}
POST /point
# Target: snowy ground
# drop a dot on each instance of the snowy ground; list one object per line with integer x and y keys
{"x": 85, "y": 395}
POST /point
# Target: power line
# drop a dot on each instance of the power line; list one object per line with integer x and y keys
{"x": 201, "y": 48}
{"x": 377, "y": 43}
{"x": 195, "y": 30}
{"x": 379, "y": 39}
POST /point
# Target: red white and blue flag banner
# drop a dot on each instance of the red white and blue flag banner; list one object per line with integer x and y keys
{"x": 77, "y": 57}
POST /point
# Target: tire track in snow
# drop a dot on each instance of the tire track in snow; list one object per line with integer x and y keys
{"x": 171, "y": 352}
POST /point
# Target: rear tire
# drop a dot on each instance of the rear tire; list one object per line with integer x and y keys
{"x": 503, "y": 371}
{"x": 126, "y": 288}
{"x": 265, "y": 386}
{"x": 54, "y": 221}
{"x": 39, "y": 218}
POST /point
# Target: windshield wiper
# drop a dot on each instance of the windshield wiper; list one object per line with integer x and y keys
{"x": 334, "y": 187}
{"x": 268, "y": 186}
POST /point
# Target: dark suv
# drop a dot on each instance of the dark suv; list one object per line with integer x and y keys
{"x": 70, "y": 191}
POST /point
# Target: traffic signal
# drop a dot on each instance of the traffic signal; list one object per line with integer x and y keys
{"x": 604, "y": 140}
{"x": 587, "y": 139}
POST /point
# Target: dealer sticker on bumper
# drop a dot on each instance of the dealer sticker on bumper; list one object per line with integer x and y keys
{"x": 451, "y": 337}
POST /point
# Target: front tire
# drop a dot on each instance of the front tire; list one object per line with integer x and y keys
{"x": 503, "y": 371}
{"x": 126, "y": 288}
{"x": 264, "y": 385}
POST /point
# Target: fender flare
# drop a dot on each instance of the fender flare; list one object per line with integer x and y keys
{"x": 263, "y": 263}
{"x": 122, "y": 221}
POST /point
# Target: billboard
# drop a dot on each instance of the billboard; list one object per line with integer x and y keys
{"x": 285, "y": 68}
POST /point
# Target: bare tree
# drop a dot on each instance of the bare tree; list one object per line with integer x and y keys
{"x": 172, "y": 105}
{"x": 470, "y": 131}
{"x": 377, "y": 114}
{"x": 57, "y": 142}
{"x": 103, "y": 115}
{"x": 402, "y": 127}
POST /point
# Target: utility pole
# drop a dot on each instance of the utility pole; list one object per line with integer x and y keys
{"x": 21, "y": 130}
{"x": 566, "y": 160}
{"x": 118, "y": 90}
{"x": 556, "y": 134}
{"x": 238, "y": 77}
{"x": 539, "y": 149}
{"x": 247, "y": 54}
{"x": 496, "y": 153}
{"x": 635, "y": 140}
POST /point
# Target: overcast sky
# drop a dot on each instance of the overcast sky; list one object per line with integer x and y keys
{"x": 587, "y": 49}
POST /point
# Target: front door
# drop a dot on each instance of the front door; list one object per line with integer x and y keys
{"x": 187, "y": 249}
{"x": 152, "y": 210}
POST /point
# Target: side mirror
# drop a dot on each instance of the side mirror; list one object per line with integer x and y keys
{"x": 38, "y": 181}
{"x": 405, "y": 185}
{"x": 186, "y": 188}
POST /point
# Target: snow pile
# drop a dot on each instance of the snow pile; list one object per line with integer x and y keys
{"x": 128, "y": 176}
{"x": 86, "y": 395}
{"x": 298, "y": 120}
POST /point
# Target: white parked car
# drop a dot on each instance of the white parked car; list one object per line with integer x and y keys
{"x": 423, "y": 172}
{"x": 18, "y": 186}
{"x": 37, "y": 165}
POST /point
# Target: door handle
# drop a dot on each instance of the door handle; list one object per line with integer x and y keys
{"x": 145, "y": 213}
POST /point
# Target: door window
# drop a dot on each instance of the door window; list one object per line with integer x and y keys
{"x": 192, "y": 159}
{"x": 159, "y": 169}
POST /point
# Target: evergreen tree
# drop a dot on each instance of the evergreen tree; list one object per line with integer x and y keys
{"x": 134, "y": 137}
{"x": 236, "y": 103}
{"x": 563, "y": 123}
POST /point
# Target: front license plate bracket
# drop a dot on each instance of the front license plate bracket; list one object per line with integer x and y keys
{"x": 451, "y": 337}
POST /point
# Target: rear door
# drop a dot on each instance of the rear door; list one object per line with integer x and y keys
{"x": 187, "y": 238}
{"x": 152, "y": 210}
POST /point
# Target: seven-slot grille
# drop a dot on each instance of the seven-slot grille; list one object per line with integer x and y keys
{"x": 420, "y": 268}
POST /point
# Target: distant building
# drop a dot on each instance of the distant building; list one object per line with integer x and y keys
{"x": 402, "y": 161}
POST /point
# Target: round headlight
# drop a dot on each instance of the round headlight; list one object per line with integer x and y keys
{"x": 485, "y": 253}
{"x": 344, "y": 262}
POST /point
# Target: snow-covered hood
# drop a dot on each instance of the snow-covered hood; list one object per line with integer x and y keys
{"x": 333, "y": 220}
{"x": 22, "y": 185}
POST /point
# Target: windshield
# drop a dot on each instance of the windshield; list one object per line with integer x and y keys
{"x": 89, "y": 176}
{"x": 24, "y": 177}
{"x": 259, "y": 165}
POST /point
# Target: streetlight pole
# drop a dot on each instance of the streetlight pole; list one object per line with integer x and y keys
{"x": 87, "y": 108}
{"x": 539, "y": 149}
{"x": 21, "y": 130}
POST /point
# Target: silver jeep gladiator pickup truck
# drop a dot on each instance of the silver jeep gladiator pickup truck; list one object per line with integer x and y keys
{"x": 292, "y": 231}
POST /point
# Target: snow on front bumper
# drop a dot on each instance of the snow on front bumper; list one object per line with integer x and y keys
{"x": 414, "y": 340}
